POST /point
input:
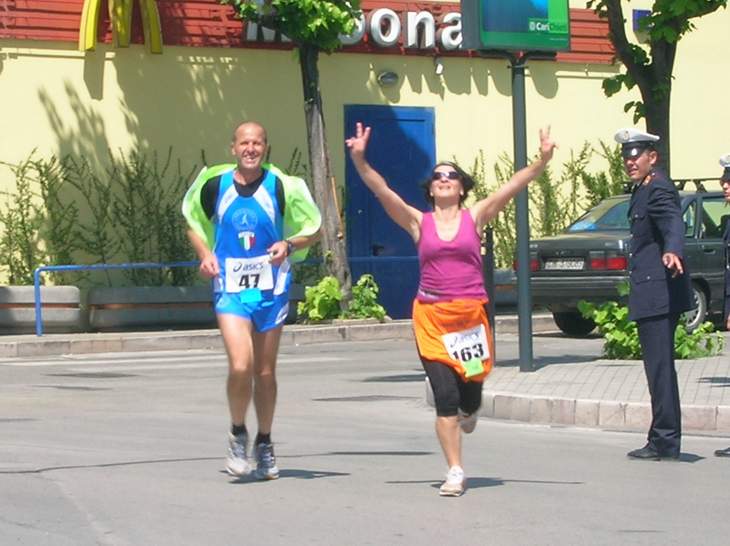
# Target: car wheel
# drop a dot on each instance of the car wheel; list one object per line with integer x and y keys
{"x": 573, "y": 323}
{"x": 692, "y": 319}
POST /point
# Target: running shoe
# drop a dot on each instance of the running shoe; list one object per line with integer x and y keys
{"x": 468, "y": 422}
{"x": 237, "y": 463}
{"x": 266, "y": 468}
{"x": 454, "y": 484}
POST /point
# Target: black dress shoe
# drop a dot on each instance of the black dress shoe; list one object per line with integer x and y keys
{"x": 650, "y": 453}
{"x": 647, "y": 453}
{"x": 723, "y": 452}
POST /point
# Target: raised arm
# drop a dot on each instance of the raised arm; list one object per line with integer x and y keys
{"x": 406, "y": 216}
{"x": 485, "y": 210}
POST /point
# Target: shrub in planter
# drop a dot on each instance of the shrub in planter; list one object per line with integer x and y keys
{"x": 622, "y": 336}
{"x": 322, "y": 301}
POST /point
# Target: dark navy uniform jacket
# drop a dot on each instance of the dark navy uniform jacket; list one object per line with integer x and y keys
{"x": 656, "y": 227}
{"x": 726, "y": 237}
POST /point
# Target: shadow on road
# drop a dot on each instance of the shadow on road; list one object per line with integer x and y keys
{"x": 358, "y": 454}
{"x": 719, "y": 381}
{"x": 478, "y": 482}
{"x": 560, "y": 335}
{"x": 400, "y": 378}
{"x": 364, "y": 398}
{"x": 380, "y": 453}
{"x": 690, "y": 458}
{"x": 471, "y": 483}
{"x": 543, "y": 361}
{"x": 544, "y": 482}
{"x": 107, "y": 465}
{"x": 289, "y": 473}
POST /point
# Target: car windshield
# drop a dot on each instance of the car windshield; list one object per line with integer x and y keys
{"x": 607, "y": 215}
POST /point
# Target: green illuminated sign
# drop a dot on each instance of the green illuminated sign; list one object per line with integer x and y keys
{"x": 526, "y": 25}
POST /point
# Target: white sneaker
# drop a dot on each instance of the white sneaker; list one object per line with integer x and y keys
{"x": 266, "y": 468}
{"x": 454, "y": 484}
{"x": 468, "y": 422}
{"x": 237, "y": 463}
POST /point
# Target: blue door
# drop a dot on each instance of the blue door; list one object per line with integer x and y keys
{"x": 402, "y": 149}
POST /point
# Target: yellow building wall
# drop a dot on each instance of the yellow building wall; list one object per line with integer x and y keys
{"x": 57, "y": 100}
{"x": 700, "y": 120}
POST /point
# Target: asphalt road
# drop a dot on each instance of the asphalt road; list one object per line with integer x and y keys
{"x": 127, "y": 449}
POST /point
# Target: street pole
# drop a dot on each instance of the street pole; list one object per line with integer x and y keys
{"x": 489, "y": 282}
{"x": 524, "y": 296}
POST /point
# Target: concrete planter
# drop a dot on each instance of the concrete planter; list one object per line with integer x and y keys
{"x": 61, "y": 309}
{"x": 159, "y": 307}
{"x": 150, "y": 307}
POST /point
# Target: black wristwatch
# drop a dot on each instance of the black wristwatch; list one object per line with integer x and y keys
{"x": 289, "y": 248}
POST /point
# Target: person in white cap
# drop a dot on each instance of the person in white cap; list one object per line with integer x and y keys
{"x": 660, "y": 286}
{"x": 725, "y": 182}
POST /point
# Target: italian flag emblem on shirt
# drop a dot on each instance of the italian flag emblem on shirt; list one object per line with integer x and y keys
{"x": 247, "y": 239}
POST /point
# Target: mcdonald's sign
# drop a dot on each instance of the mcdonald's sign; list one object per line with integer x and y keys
{"x": 120, "y": 13}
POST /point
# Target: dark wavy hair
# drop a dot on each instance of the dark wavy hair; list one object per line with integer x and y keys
{"x": 467, "y": 182}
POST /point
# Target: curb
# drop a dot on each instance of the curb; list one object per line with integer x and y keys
{"x": 607, "y": 414}
{"x": 604, "y": 414}
{"x": 181, "y": 340}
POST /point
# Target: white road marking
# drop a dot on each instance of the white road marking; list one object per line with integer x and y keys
{"x": 179, "y": 362}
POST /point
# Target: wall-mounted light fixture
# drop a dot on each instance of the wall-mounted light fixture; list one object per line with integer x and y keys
{"x": 438, "y": 66}
{"x": 386, "y": 78}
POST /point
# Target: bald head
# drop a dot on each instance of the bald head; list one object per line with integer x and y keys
{"x": 249, "y": 147}
{"x": 247, "y": 126}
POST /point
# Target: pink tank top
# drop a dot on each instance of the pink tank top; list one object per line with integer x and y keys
{"x": 450, "y": 269}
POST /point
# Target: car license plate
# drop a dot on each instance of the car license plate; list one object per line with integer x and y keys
{"x": 566, "y": 264}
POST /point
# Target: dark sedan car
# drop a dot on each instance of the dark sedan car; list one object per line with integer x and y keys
{"x": 590, "y": 258}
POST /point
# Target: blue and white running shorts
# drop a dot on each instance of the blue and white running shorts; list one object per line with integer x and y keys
{"x": 265, "y": 314}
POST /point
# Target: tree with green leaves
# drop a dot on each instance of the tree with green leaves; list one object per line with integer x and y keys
{"x": 314, "y": 26}
{"x": 650, "y": 67}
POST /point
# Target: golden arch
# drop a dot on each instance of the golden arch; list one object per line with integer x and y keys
{"x": 120, "y": 13}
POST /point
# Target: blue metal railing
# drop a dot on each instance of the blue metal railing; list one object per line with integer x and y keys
{"x": 365, "y": 259}
{"x": 42, "y": 269}
{"x": 152, "y": 265}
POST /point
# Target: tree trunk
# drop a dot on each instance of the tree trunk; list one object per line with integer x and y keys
{"x": 654, "y": 79}
{"x": 657, "y": 123}
{"x": 333, "y": 235}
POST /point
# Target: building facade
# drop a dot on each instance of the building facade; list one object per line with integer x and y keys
{"x": 66, "y": 87}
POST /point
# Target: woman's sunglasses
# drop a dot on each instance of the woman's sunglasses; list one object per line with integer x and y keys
{"x": 451, "y": 175}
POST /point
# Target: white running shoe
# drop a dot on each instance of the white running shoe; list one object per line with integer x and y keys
{"x": 237, "y": 463}
{"x": 266, "y": 468}
{"x": 468, "y": 422}
{"x": 454, "y": 484}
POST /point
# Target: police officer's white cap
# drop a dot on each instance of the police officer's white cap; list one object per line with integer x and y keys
{"x": 725, "y": 163}
{"x": 631, "y": 136}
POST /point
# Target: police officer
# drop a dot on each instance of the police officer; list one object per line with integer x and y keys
{"x": 725, "y": 181}
{"x": 660, "y": 286}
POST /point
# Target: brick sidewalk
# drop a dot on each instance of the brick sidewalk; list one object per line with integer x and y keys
{"x": 608, "y": 393}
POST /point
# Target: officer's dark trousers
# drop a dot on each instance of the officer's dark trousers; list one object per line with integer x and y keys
{"x": 656, "y": 335}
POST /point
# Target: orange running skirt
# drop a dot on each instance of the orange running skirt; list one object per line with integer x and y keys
{"x": 462, "y": 319}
